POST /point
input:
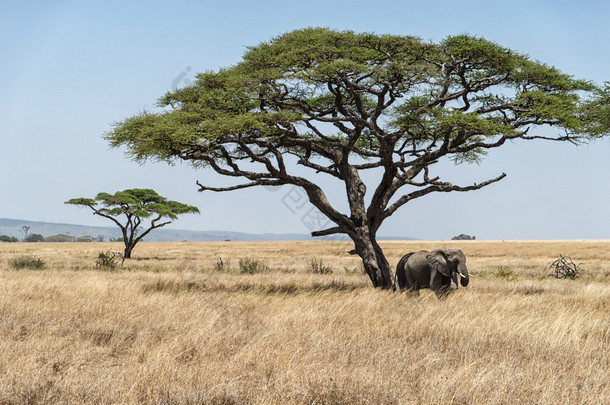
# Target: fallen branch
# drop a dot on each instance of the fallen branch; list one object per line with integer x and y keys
{"x": 566, "y": 268}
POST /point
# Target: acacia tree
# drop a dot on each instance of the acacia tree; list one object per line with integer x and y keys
{"x": 343, "y": 103}
{"x": 133, "y": 206}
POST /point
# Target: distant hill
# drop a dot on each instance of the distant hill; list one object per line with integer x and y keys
{"x": 12, "y": 227}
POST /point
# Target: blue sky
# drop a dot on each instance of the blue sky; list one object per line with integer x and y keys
{"x": 70, "y": 69}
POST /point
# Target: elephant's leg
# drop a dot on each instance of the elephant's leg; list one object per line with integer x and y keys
{"x": 401, "y": 278}
{"x": 440, "y": 285}
{"x": 401, "y": 270}
{"x": 442, "y": 292}
{"x": 410, "y": 280}
{"x": 413, "y": 292}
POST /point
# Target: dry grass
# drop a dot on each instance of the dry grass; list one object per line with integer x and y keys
{"x": 172, "y": 329}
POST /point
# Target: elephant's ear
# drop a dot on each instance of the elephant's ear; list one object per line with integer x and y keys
{"x": 439, "y": 262}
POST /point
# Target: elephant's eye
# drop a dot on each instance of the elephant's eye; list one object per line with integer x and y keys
{"x": 456, "y": 261}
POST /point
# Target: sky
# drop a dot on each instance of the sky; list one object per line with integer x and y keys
{"x": 70, "y": 69}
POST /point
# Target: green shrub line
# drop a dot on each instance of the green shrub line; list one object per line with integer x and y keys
{"x": 28, "y": 262}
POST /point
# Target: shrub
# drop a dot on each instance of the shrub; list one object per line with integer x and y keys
{"x": 6, "y": 238}
{"x": 354, "y": 271}
{"x": 59, "y": 238}
{"x": 251, "y": 266}
{"x": 317, "y": 266}
{"x": 288, "y": 270}
{"x": 28, "y": 262}
{"x": 506, "y": 273}
{"x": 36, "y": 237}
{"x": 222, "y": 265}
{"x": 107, "y": 259}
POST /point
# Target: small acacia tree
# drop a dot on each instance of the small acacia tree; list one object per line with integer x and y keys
{"x": 133, "y": 206}
{"x": 343, "y": 103}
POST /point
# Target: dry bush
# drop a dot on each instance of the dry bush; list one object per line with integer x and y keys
{"x": 172, "y": 330}
{"x": 317, "y": 266}
{"x": 253, "y": 266}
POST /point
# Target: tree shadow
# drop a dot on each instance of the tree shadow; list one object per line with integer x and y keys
{"x": 288, "y": 288}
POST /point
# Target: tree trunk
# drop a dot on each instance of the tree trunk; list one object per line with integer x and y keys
{"x": 128, "y": 249}
{"x": 375, "y": 264}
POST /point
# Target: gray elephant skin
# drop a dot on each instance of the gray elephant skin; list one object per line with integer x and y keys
{"x": 437, "y": 270}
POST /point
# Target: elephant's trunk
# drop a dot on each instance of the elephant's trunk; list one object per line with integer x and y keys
{"x": 464, "y": 279}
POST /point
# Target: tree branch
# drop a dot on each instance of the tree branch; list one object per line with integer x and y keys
{"x": 330, "y": 231}
{"x": 437, "y": 187}
{"x": 113, "y": 219}
{"x": 154, "y": 225}
{"x": 240, "y": 186}
{"x": 573, "y": 140}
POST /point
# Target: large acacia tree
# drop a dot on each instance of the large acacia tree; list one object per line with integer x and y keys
{"x": 343, "y": 103}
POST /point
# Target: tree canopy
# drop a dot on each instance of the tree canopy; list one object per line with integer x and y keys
{"x": 342, "y": 103}
{"x": 128, "y": 208}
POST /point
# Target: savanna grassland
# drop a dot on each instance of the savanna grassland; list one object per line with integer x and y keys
{"x": 185, "y": 323}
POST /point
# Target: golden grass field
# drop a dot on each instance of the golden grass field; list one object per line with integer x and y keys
{"x": 174, "y": 327}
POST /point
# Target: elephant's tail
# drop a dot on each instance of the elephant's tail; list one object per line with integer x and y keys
{"x": 401, "y": 268}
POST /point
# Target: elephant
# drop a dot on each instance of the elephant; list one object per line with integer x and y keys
{"x": 437, "y": 270}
